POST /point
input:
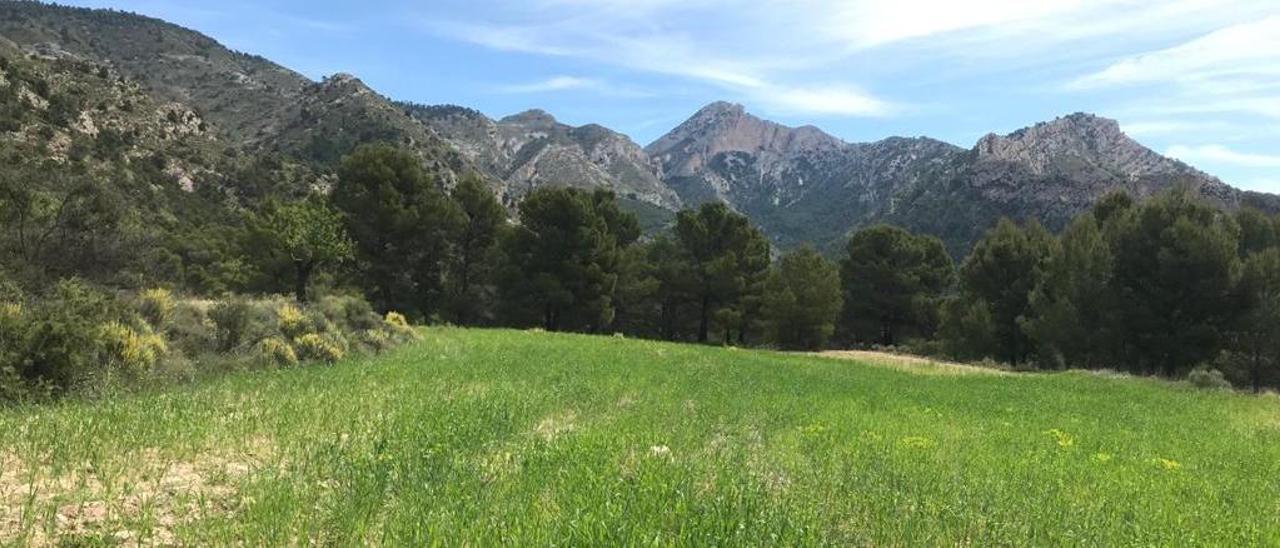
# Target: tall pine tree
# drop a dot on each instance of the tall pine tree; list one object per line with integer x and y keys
{"x": 892, "y": 283}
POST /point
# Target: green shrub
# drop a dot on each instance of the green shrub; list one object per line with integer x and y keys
{"x": 274, "y": 351}
{"x": 62, "y": 338}
{"x": 1210, "y": 379}
{"x": 156, "y": 306}
{"x": 317, "y": 322}
{"x": 191, "y": 331}
{"x": 237, "y": 322}
{"x": 375, "y": 340}
{"x": 312, "y": 346}
{"x": 13, "y": 331}
{"x": 349, "y": 313}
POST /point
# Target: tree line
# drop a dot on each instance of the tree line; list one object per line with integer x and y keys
{"x": 1160, "y": 287}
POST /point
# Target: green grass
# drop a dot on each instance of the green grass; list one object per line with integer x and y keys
{"x": 483, "y": 437}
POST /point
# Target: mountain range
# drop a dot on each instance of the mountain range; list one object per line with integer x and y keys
{"x": 800, "y": 185}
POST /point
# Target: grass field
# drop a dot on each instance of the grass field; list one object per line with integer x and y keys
{"x": 485, "y": 437}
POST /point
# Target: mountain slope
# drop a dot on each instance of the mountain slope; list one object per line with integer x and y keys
{"x": 803, "y": 185}
{"x": 800, "y": 185}
{"x": 532, "y": 148}
{"x": 245, "y": 95}
{"x": 250, "y": 102}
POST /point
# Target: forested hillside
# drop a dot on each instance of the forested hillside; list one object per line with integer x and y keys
{"x": 800, "y": 185}
{"x": 129, "y": 169}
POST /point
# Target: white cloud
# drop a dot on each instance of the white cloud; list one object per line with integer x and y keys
{"x": 1235, "y": 54}
{"x": 1137, "y": 129}
{"x": 1221, "y": 154}
{"x": 767, "y": 53}
{"x": 874, "y": 23}
{"x": 572, "y": 83}
{"x": 838, "y": 101}
{"x": 1187, "y": 103}
{"x": 555, "y": 83}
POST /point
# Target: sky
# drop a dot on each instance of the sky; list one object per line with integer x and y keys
{"x": 1198, "y": 80}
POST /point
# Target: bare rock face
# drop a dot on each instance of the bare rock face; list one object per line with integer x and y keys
{"x": 532, "y": 149}
{"x": 1055, "y": 170}
{"x": 725, "y": 127}
{"x": 802, "y": 185}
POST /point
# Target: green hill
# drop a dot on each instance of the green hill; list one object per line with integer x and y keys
{"x": 490, "y": 437}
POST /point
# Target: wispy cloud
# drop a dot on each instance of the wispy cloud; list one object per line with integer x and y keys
{"x": 1227, "y": 58}
{"x": 623, "y": 37}
{"x": 556, "y": 83}
{"x": 805, "y": 57}
{"x": 319, "y": 24}
{"x": 1221, "y": 154}
{"x": 836, "y": 100}
{"x": 572, "y": 83}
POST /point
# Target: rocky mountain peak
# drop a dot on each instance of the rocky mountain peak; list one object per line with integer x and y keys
{"x": 723, "y": 127}
{"x": 343, "y": 82}
{"x": 718, "y": 112}
{"x": 531, "y": 117}
{"x": 1075, "y": 139}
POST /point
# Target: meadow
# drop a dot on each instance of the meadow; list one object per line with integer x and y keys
{"x": 488, "y": 437}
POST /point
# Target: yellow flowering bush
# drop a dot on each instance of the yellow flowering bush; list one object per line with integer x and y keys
{"x": 292, "y": 322}
{"x": 317, "y": 347}
{"x": 398, "y": 326}
{"x": 10, "y": 311}
{"x": 277, "y": 352}
{"x": 130, "y": 350}
{"x": 156, "y": 306}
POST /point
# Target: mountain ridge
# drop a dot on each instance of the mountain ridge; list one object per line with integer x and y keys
{"x": 800, "y": 184}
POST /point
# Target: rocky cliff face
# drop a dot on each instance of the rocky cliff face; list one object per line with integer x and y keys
{"x": 803, "y": 185}
{"x": 532, "y": 149}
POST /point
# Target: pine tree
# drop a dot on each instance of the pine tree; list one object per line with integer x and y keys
{"x": 1257, "y": 329}
{"x": 471, "y": 276}
{"x": 1176, "y": 263}
{"x": 1257, "y": 231}
{"x": 1001, "y": 271}
{"x": 402, "y": 224}
{"x": 892, "y": 283}
{"x": 802, "y": 300}
{"x": 1071, "y": 317}
{"x": 563, "y": 260}
{"x": 729, "y": 260}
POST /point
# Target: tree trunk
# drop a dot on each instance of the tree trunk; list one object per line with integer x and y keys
{"x": 704, "y": 321}
{"x": 302, "y": 270}
{"x": 1256, "y": 372}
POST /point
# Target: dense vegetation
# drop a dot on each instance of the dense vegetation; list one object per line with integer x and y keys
{"x": 114, "y": 194}
{"x": 1161, "y": 287}
{"x": 514, "y": 437}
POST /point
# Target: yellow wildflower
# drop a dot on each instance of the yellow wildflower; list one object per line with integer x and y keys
{"x": 1063, "y": 439}
{"x": 916, "y": 442}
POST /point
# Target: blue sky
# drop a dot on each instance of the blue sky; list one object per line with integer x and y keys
{"x": 1195, "y": 79}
